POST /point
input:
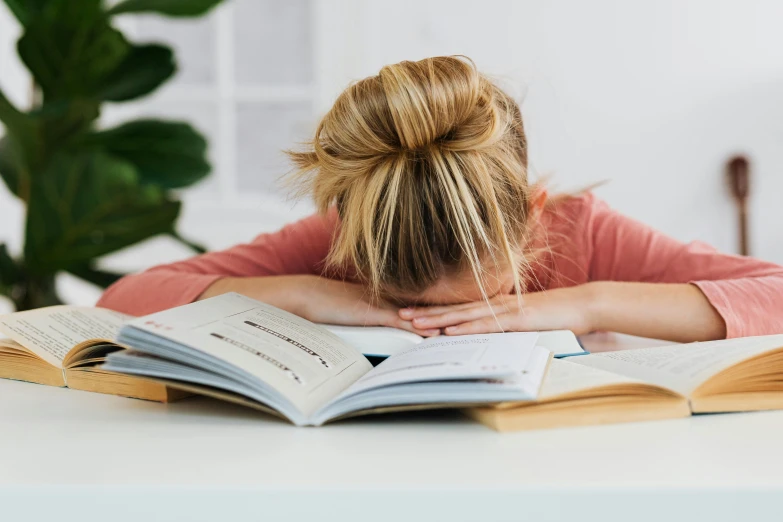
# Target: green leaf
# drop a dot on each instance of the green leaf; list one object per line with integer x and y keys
{"x": 167, "y": 154}
{"x": 142, "y": 71}
{"x": 24, "y": 10}
{"x": 18, "y": 151}
{"x": 71, "y": 49}
{"x": 65, "y": 121}
{"x": 87, "y": 205}
{"x": 165, "y": 7}
{"x": 26, "y": 148}
{"x": 10, "y": 116}
{"x": 10, "y": 273}
{"x": 19, "y": 148}
{"x": 73, "y": 57}
{"x": 18, "y": 9}
{"x": 101, "y": 278}
{"x": 9, "y": 168}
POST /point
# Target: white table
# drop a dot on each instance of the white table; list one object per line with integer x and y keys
{"x": 69, "y": 455}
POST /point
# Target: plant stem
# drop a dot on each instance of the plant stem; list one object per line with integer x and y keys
{"x": 35, "y": 292}
{"x": 196, "y": 247}
{"x": 10, "y": 115}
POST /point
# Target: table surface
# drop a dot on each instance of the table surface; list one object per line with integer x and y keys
{"x": 202, "y": 460}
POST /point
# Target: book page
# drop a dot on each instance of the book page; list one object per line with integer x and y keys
{"x": 376, "y": 341}
{"x": 50, "y": 333}
{"x": 681, "y": 367}
{"x": 304, "y": 362}
{"x": 565, "y": 377}
{"x": 9, "y": 346}
{"x": 465, "y": 357}
{"x": 561, "y": 343}
{"x": 383, "y": 341}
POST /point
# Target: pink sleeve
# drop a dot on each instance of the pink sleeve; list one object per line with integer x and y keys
{"x": 298, "y": 248}
{"x": 746, "y": 292}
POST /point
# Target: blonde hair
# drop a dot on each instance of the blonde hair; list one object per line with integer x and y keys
{"x": 427, "y": 165}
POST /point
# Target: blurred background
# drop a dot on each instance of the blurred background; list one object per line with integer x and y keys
{"x": 654, "y": 96}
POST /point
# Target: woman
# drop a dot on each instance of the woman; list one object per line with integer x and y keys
{"x": 427, "y": 221}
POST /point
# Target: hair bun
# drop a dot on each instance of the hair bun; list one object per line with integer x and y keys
{"x": 426, "y": 163}
{"x": 427, "y": 100}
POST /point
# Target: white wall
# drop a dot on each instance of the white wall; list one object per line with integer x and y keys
{"x": 651, "y": 95}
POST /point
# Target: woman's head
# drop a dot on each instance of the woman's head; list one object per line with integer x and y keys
{"x": 427, "y": 165}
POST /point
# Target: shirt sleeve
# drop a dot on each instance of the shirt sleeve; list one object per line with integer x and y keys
{"x": 746, "y": 292}
{"x": 298, "y": 248}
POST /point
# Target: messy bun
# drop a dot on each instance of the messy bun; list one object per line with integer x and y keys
{"x": 427, "y": 165}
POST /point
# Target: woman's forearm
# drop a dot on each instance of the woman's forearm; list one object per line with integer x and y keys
{"x": 279, "y": 291}
{"x": 674, "y": 312}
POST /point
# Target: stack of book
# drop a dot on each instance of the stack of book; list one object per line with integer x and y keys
{"x": 240, "y": 350}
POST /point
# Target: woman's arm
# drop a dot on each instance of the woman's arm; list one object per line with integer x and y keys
{"x": 641, "y": 282}
{"x": 299, "y": 248}
{"x": 284, "y": 291}
{"x": 746, "y": 293}
{"x": 318, "y": 299}
{"x": 675, "y": 312}
{"x": 282, "y": 269}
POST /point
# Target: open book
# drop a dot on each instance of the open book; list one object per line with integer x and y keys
{"x": 379, "y": 342}
{"x": 62, "y": 346}
{"x": 651, "y": 383}
{"x": 241, "y": 350}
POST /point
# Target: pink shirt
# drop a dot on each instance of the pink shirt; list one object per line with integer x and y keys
{"x": 588, "y": 241}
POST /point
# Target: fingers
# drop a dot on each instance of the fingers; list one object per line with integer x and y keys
{"x": 424, "y": 311}
{"x": 500, "y": 323}
{"x": 455, "y": 317}
{"x": 389, "y": 317}
{"x": 407, "y": 325}
{"x": 413, "y": 312}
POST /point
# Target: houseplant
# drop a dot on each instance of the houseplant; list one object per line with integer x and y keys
{"x": 87, "y": 191}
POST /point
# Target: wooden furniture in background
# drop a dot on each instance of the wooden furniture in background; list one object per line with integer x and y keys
{"x": 739, "y": 182}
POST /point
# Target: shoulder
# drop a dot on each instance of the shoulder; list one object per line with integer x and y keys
{"x": 580, "y": 204}
{"x": 316, "y": 227}
{"x": 573, "y": 215}
{"x": 562, "y": 238}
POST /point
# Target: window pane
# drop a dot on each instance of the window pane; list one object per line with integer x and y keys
{"x": 264, "y": 130}
{"x": 273, "y": 41}
{"x": 193, "y": 41}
